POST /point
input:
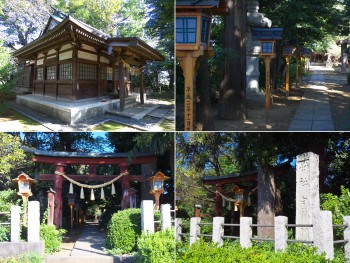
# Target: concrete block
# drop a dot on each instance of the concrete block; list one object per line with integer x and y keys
{"x": 347, "y": 237}
{"x": 218, "y": 230}
{"x": 166, "y": 216}
{"x": 245, "y": 232}
{"x": 8, "y": 249}
{"x": 323, "y": 233}
{"x": 33, "y": 221}
{"x": 147, "y": 215}
{"x": 195, "y": 229}
{"x": 281, "y": 233}
{"x": 15, "y": 223}
{"x": 178, "y": 229}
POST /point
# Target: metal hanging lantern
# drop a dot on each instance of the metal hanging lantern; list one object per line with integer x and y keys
{"x": 157, "y": 186}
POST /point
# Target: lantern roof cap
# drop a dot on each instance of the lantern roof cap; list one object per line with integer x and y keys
{"x": 273, "y": 33}
{"x": 159, "y": 175}
{"x": 218, "y": 7}
{"x": 23, "y": 175}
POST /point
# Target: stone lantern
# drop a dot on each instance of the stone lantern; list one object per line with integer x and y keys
{"x": 287, "y": 53}
{"x": 267, "y": 37}
{"x": 157, "y": 186}
{"x": 297, "y": 54}
{"x": 193, "y": 27}
{"x": 25, "y": 190}
{"x": 306, "y": 54}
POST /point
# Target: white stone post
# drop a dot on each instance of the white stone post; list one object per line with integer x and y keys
{"x": 147, "y": 216}
{"x": 307, "y": 194}
{"x": 15, "y": 223}
{"x": 245, "y": 231}
{"x": 218, "y": 230}
{"x": 281, "y": 233}
{"x": 195, "y": 229}
{"x": 347, "y": 237}
{"x": 323, "y": 233}
{"x": 178, "y": 229}
{"x": 166, "y": 216}
{"x": 33, "y": 221}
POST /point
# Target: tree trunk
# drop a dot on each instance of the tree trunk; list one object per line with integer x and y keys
{"x": 204, "y": 117}
{"x": 233, "y": 84}
{"x": 266, "y": 201}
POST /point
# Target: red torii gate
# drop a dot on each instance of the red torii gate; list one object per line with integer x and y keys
{"x": 61, "y": 159}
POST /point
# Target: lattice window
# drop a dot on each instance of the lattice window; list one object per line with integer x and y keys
{"x": 186, "y": 29}
{"x": 65, "y": 71}
{"x": 109, "y": 73}
{"x": 51, "y": 72}
{"x": 205, "y": 30}
{"x": 40, "y": 73}
{"x": 87, "y": 71}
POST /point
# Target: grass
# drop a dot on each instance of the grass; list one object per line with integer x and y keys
{"x": 11, "y": 120}
{"x": 167, "y": 125}
{"x": 113, "y": 126}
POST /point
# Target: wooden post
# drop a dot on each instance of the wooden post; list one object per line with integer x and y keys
{"x": 267, "y": 61}
{"x": 125, "y": 186}
{"x": 75, "y": 74}
{"x": 218, "y": 201}
{"x": 121, "y": 86}
{"x": 141, "y": 88}
{"x": 58, "y": 197}
{"x": 297, "y": 70}
{"x": 287, "y": 76}
{"x": 71, "y": 216}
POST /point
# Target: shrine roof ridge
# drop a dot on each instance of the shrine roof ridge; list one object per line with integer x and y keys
{"x": 82, "y": 155}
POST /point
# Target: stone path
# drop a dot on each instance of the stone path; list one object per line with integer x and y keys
{"x": 88, "y": 248}
{"x": 313, "y": 112}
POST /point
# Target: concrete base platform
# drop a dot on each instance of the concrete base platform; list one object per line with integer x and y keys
{"x": 70, "y": 112}
{"x": 9, "y": 249}
{"x": 90, "y": 259}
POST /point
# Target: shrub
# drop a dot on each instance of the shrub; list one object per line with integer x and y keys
{"x": 259, "y": 253}
{"x": 30, "y": 257}
{"x": 52, "y": 238}
{"x": 156, "y": 247}
{"x": 124, "y": 229}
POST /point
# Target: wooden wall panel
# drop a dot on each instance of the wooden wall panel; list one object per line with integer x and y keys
{"x": 50, "y": 90}
{"x": 39, "y": 88}
{"x": 65, "y": 91}
{"x": 87, "y": 90}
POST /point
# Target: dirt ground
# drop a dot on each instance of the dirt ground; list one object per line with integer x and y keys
{"x": 283, "y": 109}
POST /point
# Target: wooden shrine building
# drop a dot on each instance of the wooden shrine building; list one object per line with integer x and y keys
{"x": 74, "y": 62}
{"x": 147, "y": 161}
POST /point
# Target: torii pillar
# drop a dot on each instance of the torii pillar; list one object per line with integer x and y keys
{"x": 58, "y": 195}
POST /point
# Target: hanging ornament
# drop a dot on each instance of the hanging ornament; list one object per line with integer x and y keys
{"x": 223, "y": 202}
{"x": 229, "y": 205}
{"x": 92, "y": 196}
{"x": 71, "y": 188}
{"x": 236, "y": 208}
{"x": 102, "y": 194}
{"x": 113, "y": 189}
{"x": 82, "y": 193}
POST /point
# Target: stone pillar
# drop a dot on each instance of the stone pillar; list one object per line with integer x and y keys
{"x": 254, "y": 19}
{"x": 195, "y": 229}
{"x": 58, "y": 197}
{"x": 245, "y": 231}
{"x": 15, "y": 223}
{"x": 218, "y": 230}
{"x": 281, "y": 233}
{"x": 307, "y": 194}
{"x": 323, "y": 233}
{"x": 147, "y": 216}
{"x": 344, "y": 57}
{"x": 178, "y": 229}
{"x": 33, "y": 221}
{"x": 347, "y": 237}
{"x": 166, "y": 216}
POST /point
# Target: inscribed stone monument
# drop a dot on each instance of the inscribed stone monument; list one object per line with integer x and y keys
{"x": 307, "y": 193}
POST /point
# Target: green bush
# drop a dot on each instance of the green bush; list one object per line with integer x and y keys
{"x": 30, "y": 257}
{"x": 156, "y": 247}
{"x": 259, "y": 253}
{"x": 52, "y": 238}
{"x": 123, "y": 230}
